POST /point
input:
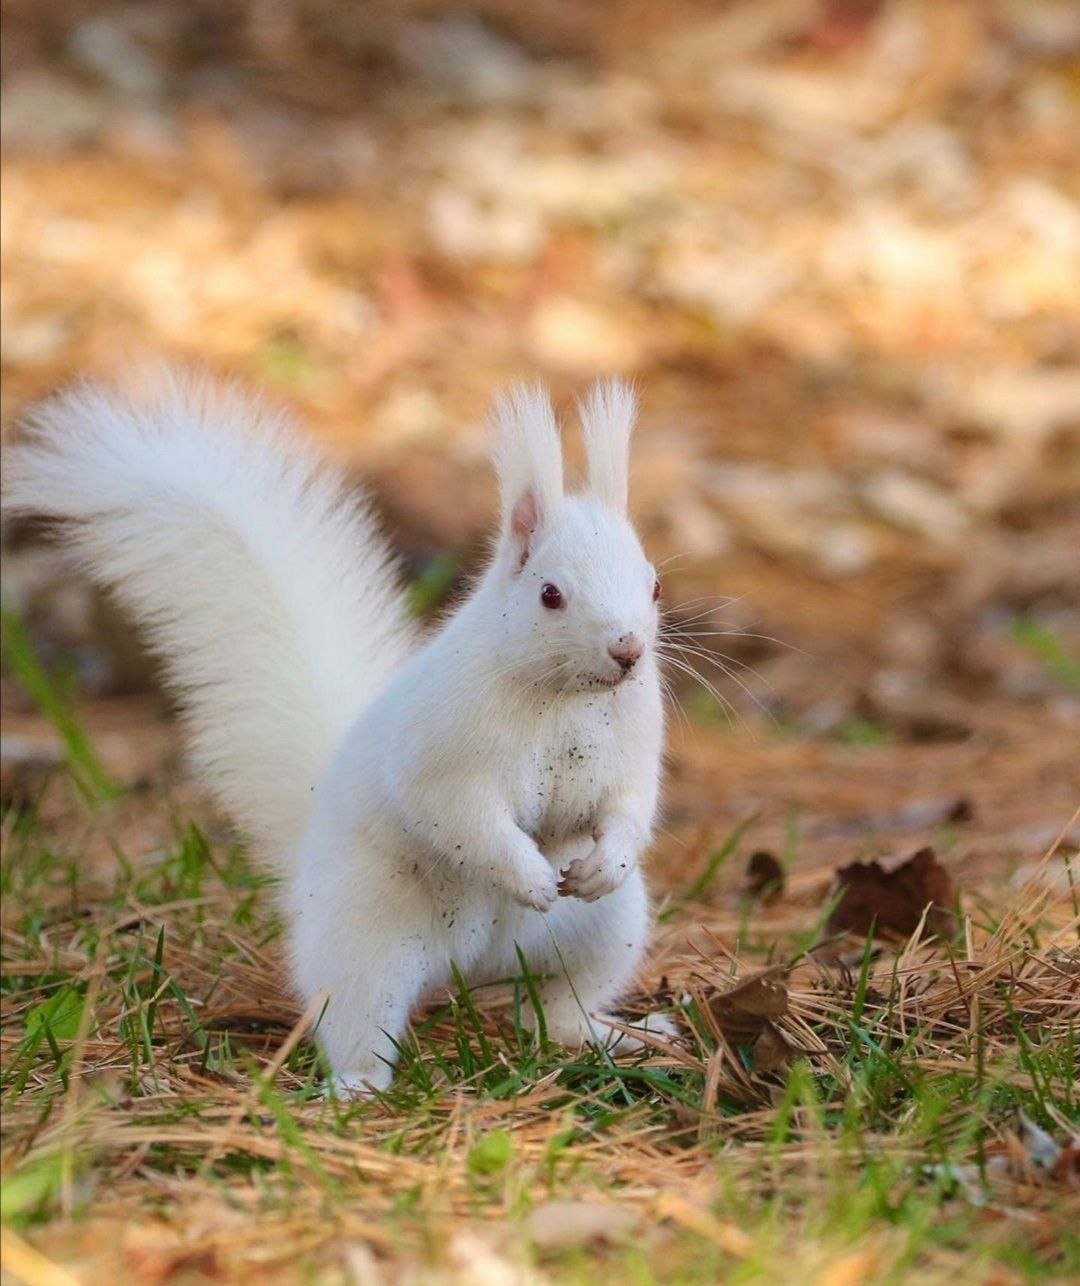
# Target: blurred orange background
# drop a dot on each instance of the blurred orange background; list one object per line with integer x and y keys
{"x": 836, "y": 242}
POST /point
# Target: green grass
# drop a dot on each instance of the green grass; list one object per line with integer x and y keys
{"x": 429, "y": 590}
{"x": 1043, "y": 642}
{"x": 285, "y": 360}
{"x": 93, "y": 782}
{"x": 862, "y": 732}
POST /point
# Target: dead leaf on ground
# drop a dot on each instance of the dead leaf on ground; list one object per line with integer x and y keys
{"x": 745, "y": 1016}
{"x": 750, "y": 1004}
{"x": 883, "y": 900}
{"x": 771, "y": 1050}
{"x": 1066, "y": 1169}
{"x": 764, "y": 877}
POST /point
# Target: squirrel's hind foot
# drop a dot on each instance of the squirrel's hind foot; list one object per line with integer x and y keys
{"x": 606, "y": 1032}
{"x": 354, "y": 1086}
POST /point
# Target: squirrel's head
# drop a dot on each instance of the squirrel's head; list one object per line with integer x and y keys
{"x": 580, "y": 611}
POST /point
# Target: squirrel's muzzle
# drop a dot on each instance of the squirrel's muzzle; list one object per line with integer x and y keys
{"x": 626, "y": 652}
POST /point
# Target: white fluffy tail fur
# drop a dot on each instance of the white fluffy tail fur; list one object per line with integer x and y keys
{"x": 264, "y": 587}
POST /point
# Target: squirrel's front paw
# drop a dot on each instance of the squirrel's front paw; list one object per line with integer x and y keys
{"x": 534, "y": 884}
{"x": 596, "y": 875}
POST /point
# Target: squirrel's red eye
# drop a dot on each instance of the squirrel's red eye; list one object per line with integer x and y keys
{"x": 550, "y": 595}
{"x": 656, "y": 590}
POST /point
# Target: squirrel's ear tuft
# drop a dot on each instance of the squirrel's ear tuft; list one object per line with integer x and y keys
{"x": 528, "y": 459}
{"x": 607, "y": 420}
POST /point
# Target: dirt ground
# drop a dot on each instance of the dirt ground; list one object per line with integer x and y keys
{"x": 836, "y": 243}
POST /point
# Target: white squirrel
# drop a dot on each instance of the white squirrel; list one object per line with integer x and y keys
{"x": 426, "y": 803}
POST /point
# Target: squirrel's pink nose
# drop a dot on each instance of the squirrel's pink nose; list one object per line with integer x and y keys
{"x": 627, "y": 651}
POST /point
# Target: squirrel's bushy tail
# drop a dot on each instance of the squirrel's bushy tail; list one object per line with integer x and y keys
{"x": 265, "y": 588}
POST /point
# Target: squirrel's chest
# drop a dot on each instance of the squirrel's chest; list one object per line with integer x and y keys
{"x": 562, "y": 777}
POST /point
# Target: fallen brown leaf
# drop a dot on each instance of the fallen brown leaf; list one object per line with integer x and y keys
{"x": 771, "y": 1051}
{"x": 744, "y": 1015}
{"x": 1066, "y": 1169}
{"x": 875, "y": 898}
{"x": 743, "y": 1012}
{"x": 764, "y": 876}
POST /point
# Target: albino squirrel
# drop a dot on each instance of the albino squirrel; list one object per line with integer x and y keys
{"x": 425, "y": 802}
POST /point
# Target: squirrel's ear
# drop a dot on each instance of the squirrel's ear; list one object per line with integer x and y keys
{"x": 607, "y": 419}
{"x": 528, "y": 460}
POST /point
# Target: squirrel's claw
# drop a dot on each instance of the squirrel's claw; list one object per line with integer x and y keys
{"x": 592, "y": 877}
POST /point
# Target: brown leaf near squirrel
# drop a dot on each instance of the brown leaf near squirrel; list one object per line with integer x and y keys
{"x": 764, "y": 877}
{"x": 771, "y": 1050}
{"x": 1066, "y": 1169}
{"x": 744, "y": 1015}
{"x": 882, "y": 900}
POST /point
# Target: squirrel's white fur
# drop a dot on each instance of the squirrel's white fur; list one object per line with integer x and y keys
{"x": 426, "y": 803}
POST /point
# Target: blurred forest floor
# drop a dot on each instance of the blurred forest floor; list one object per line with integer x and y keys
{"x": 835, "y": 242}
